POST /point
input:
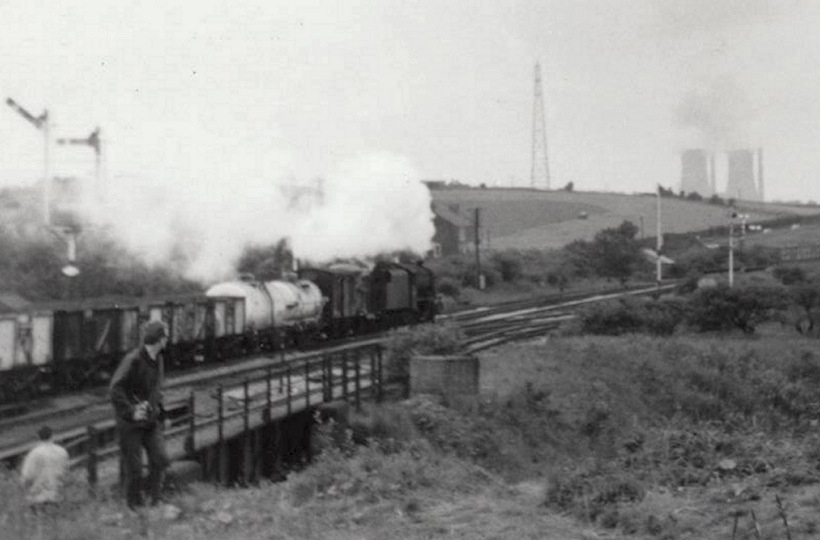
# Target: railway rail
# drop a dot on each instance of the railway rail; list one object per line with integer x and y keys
{"x": 203, "y": 413}
{"x": 494, "y": 329}
{"x": 198, "y": 400}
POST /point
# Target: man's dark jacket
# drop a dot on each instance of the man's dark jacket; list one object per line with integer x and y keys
{"x": 137, "y": 379}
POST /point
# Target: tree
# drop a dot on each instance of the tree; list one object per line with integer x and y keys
{"x": 615, "y": 252}
{"x": 807, "y": 297}
{"x": 509, "y": 265}
{"x": 266, "y": 262}
{"x": 723, "y": 307}
{"x": 789, "y": 275}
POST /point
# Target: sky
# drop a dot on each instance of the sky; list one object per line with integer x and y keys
{"x": 209, "y": 102}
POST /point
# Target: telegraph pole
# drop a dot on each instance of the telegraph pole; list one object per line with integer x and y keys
{"x": 479, "y": 275}
{"x": 659, "y": 234}
{"x": 731, "y": 251}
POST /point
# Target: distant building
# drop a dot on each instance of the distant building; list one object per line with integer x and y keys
{"x": 454, "y": 231}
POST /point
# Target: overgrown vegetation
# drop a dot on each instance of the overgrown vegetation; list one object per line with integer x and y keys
{"x": 794, "y": 303}
{"x": 646, "y": 437}
{"x": 32, "y": 266}
{"x": 406, "y": 342}
{"x": 614, "y": 254}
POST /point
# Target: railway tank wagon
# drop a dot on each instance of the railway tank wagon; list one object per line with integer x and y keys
{"x": 276, "y": 313}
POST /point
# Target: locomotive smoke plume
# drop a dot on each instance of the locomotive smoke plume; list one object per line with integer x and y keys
{"x": 200, "y": 226}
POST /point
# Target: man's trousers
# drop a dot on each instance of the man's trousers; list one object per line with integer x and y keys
{"x": 133, "y": 439}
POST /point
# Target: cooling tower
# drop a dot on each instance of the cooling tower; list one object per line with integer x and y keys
{"x": 760, "y": 190}
{"x": 695, "y": 172}
{"x": 741, "y": 182}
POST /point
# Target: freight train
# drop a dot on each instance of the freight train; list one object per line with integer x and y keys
{"x": 60, "y": 347}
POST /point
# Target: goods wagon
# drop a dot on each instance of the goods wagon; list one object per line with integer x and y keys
{"x": 344, "y": 288}
{"x": 58, "y": 347}
{"x": 66, "y": 346}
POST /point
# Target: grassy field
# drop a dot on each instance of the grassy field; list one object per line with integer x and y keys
{"x": 572, "y": 438}
{"x": 521, "y": 218}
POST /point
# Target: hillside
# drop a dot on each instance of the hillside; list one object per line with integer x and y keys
{"x": 525, "y": 218}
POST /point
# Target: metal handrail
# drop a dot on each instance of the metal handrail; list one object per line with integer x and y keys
{"x": 189, "y": 423}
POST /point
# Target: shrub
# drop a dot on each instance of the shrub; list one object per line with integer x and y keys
{"x": 593, "y": 490}
{"x": 723, "y": 308}
{"x": 469, "y": 277}
{"x": 616, "y": 317}
{"x": 663, "y": 316}
{"x": 449, "y": 287}
{"x": 611, "y": 318}
{"x": 789, "y": 275}
{"x": 418, "y": 340}
{"x": 509, "y": 265}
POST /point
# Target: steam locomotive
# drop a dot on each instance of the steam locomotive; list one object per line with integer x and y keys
{"x": 60, "y": 347}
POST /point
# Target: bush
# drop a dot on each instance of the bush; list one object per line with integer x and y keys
{"x": 663, "y": 316}
{"x": 449, "y": 287}
{"x": 616, "y": 317}
{"x": 509, "y": 265}
{"x": 789, "y": 275}
{"x": 491, "y": 276}
{"x": 405, "y": 343}
{"x": 611, "y": 318}
{"x": 593, "y": 491}
{"x": 724, "y": 308}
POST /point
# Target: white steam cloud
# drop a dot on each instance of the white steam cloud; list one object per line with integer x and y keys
{"x": 201, "y": 226}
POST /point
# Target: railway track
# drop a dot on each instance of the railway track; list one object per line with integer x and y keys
{"x": 94, "y": 406}
{"x": 483, "y": 327}
{"x": 491, "y": 330}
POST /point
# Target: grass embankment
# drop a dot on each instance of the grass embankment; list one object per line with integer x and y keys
{"x": 572, "y": 438}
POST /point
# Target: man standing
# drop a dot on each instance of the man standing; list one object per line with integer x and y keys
{"x": 43, "y": 470}
{"x": 137, "y": 399}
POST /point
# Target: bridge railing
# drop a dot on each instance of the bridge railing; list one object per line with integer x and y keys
{"x": 275, "y": 391}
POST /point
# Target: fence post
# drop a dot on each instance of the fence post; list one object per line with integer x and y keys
{"x": 268, "y": 405}
{"x": 220, "y": 414}
{"x": 373, "y": 387}
{"x": 307, "y": 384}
{"x": 91, "y": 432}
{"x": 287, "y": 373}
{"x": 327, "y": 378}
{"x": 358, "y": 381}
{"x": 344, "y": 376}
{"x": 380, "y": 392}
{"x": 245, "y": 407}
{"x": 190, "y": 442}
